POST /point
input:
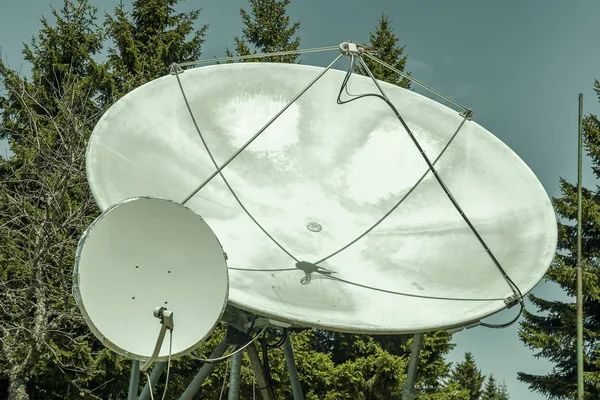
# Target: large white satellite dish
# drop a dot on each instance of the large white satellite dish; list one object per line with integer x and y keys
{"x": 144, "y": 253}
{"x": 316, "y": 180}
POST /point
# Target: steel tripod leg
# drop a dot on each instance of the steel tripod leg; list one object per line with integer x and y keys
{"x": 234, "y": 377}
{"x": 204, "y": 372}
{"x": 159, "y": 367}
{"x": 259, "y": 373}
{"x": 134, "y": 380}
{"x": 291, "y": 365}
{"x": 408, "y": 392}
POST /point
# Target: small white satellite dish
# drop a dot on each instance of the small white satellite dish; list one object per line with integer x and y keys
{"x": 310, "y": 190}
{"x": 142, "y": 254}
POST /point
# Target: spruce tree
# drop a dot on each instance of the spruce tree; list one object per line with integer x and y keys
{"x": 468, "y": 377}
{"x": 503, "y": 392}
{"x": 46, "y": 350}
{"x": 490, "y": 391}
{"x": 147, "y": 40}
{"x": 63, "y": 48}
{"x": 386, "y": 42}
{"x": 552, "y": 334}
{"x": 267, "y": 29}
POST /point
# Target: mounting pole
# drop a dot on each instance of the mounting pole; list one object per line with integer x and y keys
{"x": 234, "y": 377}
{"x": 159, "y": 367}
{"x": 408, "y": 392}
{"x": 291, "y": 365}
{"x": 580, "y": 388}
{"x": 204, "y": 372}
{"x": 134, "y": 380}
{"x": 259, "y": 373}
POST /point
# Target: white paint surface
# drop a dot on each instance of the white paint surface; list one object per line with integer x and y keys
{"x": 147, "y": 253}
{"x": 343, "y": 166}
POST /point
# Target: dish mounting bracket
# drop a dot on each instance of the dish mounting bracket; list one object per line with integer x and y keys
{"x": 354, "y": 49}
{"x": 166, "y": 321}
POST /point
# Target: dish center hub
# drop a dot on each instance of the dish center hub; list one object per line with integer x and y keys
{"x": 314, "y": 227}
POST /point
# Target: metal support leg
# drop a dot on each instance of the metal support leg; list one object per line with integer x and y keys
{"x": 159, "y": 367}
{"x": 134, "y": 380}
{"x": 259, "y": 373}
{"x": 408, "y": 392}
{"x": 204, "y": 372}
{"x": 234, "y": 377}
{"x": 291, "y": 366}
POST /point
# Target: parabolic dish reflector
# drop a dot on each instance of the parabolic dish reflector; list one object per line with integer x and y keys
{"x": 145, "y": 253}
{"x": 320, "y": 177}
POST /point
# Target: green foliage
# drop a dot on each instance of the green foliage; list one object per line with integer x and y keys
{"x": 493, "y": 391}
{"x": 552, "y": 333}
{"x": 46, "y": 349}
{"x": 267, "y": 29}
{"x": 60, "y": 51}
{"x": 467, "y": 376}
{"x": 490, "y": 391}
{"x": 503, "y": 392}
{"x": 388, "y": 50}
{"x": 147, "y": 40}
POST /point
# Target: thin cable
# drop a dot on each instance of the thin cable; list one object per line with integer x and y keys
{"x": 510, "y": 282}
{"x": 247, "y": 335}
{"x": 505, "y": 325}
{"x": 400, "y": 201}
{"x": 219, "y": 359}
{"x": 281, "y": 340}
{"x": 224, "y": 380}
{"x": 418, "y": 296}
{"x": 267, "y": 366}
{"x": 405, "y": 75}
{"x": 149, "y": 385}
{"x": 223, "y": 176}
{"x": 259, "y": 55}
{"x": 168, "y": 363}
{"x": 260, "y": 131}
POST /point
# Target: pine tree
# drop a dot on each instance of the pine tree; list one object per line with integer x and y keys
{"x": 386, "y": 43}
{"x": 61, "y": 50}
{"x": 552, "y": 334}
{"x": 149, "y": 39}
{"x": 503, "y": 392}
{"x": 267, "y": 29}
{"x": 490, "y": 391}
{"x": 469, "y": 377}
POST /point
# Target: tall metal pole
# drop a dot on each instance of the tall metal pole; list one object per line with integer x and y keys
{"x": 288, "y": 351}
{"x": 579, "y": 270}
{"x": 259, "y": 373}
{"x": 196, "y": 384}
{"x": 134, "y": 380}
{"x": 408, "y": 392}
{"x": 159, "y": 367}
{"x": 234, "y": 377}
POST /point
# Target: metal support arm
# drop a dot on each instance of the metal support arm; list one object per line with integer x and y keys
{"x": 291, "y": 365}
{"x": 408, "y": 392}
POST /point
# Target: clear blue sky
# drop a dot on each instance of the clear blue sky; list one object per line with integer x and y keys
{"x": 519, "y": 64}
